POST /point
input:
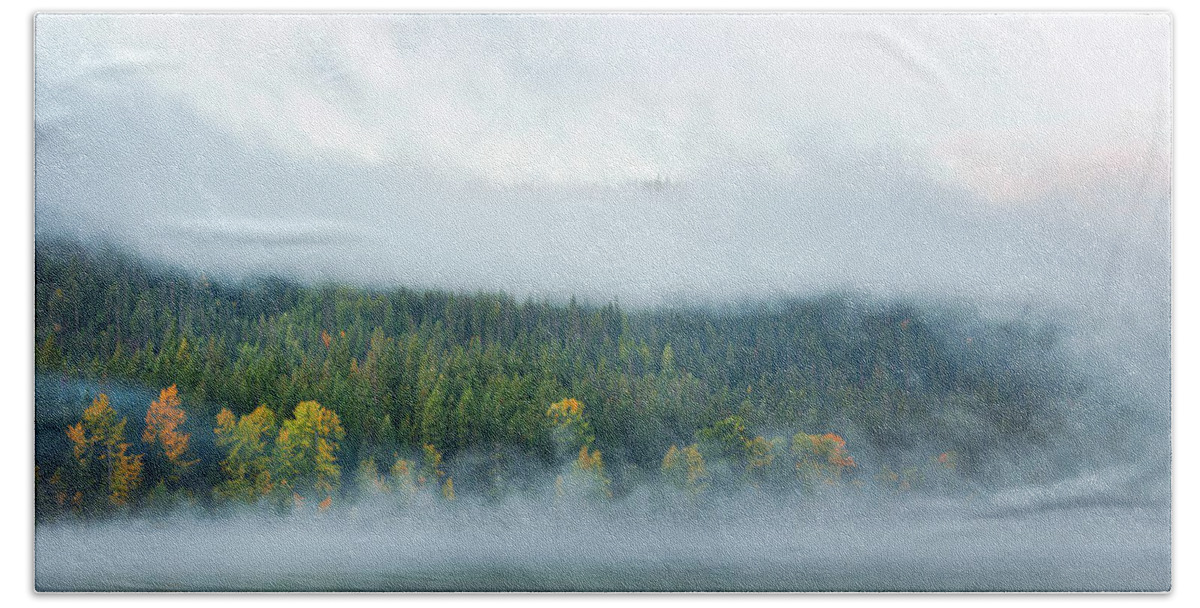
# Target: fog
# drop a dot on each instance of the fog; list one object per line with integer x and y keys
{"x": 1091, "y": 511}
{"x": 652, "y": 160}
{"x": 1016, "y": 165}
{"x": 643, "y": 542}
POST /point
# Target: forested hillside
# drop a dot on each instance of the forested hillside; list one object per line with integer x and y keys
{"x": 481, "y": 392}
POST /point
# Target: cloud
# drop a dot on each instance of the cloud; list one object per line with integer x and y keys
{"x": 598, "y": 99}
{"x": 998, "y": 156}
{"x": 245, "y": 231}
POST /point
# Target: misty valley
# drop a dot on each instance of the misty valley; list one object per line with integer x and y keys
{"x": 603, "y": 301}
{"x": 197, "y": 433}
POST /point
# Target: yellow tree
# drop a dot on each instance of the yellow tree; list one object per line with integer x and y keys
{"x": 98, "y": 444}
{"x": 590, "y": 467}
{"x": 306, "y": 449}
{"x": 247, "y": 464}
{"x": 163, "y": 422}
{"x": 570, "y": 427}
{"x": 586, "y": 477}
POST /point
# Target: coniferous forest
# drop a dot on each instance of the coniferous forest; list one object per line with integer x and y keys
{"x": 615, "y": 302}
{"x": 276, "y": 393}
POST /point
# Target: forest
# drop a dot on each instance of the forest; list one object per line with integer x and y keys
{"x": 289, "y": 396}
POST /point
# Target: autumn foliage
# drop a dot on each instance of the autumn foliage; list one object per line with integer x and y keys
{"x": 566, "y": 412}
{"x": 569, "y": 425}
{"x": 294, "y": 462}
{"x": 305, "y": 450}
{"x": 472, "y": 374}
{"x": 101, "y": 452}
{"x": 821, "y": 457}
{"x": 587, "y": 474}
{"x": 163, "y": 422}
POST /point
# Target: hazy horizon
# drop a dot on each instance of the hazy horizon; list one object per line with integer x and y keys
{"x": 656, "y": 159}
{"x": 1009, "y": 175}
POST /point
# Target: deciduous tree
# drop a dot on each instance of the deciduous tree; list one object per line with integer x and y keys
{"x": 821, "y": 457}
{"x": 168, "y": 443}
{"x": 306, "y": 449}
{"x": 98, "y": 444}
{"x": 247, "y": 464}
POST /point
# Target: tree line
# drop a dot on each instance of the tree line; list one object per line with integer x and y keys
{"x": 394, "y": 372}
{"x": 288, "y": 463}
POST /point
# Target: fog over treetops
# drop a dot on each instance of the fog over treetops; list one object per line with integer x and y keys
{"x": 933, "y": 250}
{"x": 650, "y": 159}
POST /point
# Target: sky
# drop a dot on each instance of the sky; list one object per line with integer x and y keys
{"x": 649, "y": 159}
{"x": 1022, "y": 159}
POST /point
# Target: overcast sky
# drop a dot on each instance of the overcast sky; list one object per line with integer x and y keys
{"x": 646, "y": 158}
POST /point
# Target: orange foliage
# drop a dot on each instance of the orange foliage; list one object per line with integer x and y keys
{"x": 590, "y": 461}
{"x": 565, "y": 412}
{"x": 75, "y": 435}
{"x": 326, "y": 338}
{"x": 225, "y": 421}
{"x": 324, "y": 505}
{"x": 100, "y": 418}
{"x": 163, "y": 420}
{"x": 821, "y": 457}
{"x": 833, "y": 448}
